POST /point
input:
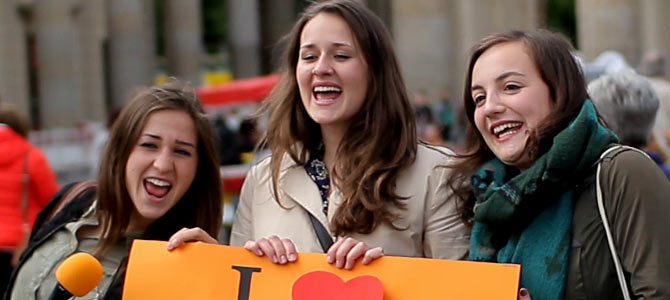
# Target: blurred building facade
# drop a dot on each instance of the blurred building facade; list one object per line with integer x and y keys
{"x": 66, "y": 61}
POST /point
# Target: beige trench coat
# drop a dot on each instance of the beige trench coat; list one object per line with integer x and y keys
{"x": 434, "y": 228}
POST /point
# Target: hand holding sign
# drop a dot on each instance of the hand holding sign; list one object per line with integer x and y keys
{"x": 280, "y": 251}
{"x": 184, "y": 235}
{"x": 346, "y": 251}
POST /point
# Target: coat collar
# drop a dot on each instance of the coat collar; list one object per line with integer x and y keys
{"x": 297, "y": 185}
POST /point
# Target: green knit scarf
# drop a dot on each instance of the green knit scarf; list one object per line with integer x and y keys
{"x": 526, "y": 217}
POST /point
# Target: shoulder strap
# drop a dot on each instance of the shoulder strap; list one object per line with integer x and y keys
{"x": 603, "y": 216}
{"x": 25, "y": 190}
{"x": 321, "y": 233}
{"x": 71, "y": 194}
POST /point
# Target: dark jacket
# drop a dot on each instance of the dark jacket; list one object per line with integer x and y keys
{"x": 636, "y": 197}
{"x": 44, "y": 229}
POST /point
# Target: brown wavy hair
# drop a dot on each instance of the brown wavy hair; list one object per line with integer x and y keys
{"x": 200, "y": 206}
{"x": 371, "y": 165}
{"x": 551, "y": 53}
{"x": 12, "y": 117}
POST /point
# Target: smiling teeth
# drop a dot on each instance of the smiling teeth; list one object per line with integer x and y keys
{"x": 508, "y": 133}
{"x": 326, "y": 89}
{"x": 502, "y": 127}
{"x": 158, "y": 182}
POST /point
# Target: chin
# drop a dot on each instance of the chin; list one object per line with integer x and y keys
{"x": 322, "y": 121}
{"x": 510, "y": 159}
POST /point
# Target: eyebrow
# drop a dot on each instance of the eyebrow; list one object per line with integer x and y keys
{"x": 180, "y": 142}
{"x": 336, "y": 44}
{"x": 499, "y": 78}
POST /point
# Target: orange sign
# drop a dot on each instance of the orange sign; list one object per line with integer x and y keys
{"x": 207, "y": 271}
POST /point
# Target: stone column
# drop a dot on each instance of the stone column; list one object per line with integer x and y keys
{"x": 245, "y": 37}
{"x": 14, "y": 85}
{"x": 92, "y": 28}
{"x": 434, "y": 37}
{"x": 609, "y": 25}
{"x": 183, "y": 39}
{"x": 131, "y": 47}
{"x": 425, "y": 34}
{"x": 499, "y": 16}
{"x": 58, "y": 53}
{"x": 277, "y": 19}
{"x": 655, "y": 29}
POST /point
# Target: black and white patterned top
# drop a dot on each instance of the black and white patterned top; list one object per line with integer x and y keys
{"x": 316, "y": 169}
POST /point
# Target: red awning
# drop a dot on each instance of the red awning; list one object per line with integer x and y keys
{"x": 242, "y": 90}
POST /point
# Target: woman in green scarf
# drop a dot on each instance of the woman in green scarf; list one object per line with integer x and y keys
{"x": 527, "y": 182}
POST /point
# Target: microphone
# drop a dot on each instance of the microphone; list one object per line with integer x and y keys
{"x": 77, "y": 275}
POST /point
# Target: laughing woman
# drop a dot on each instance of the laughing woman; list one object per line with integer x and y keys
{"x": 159, "y": 173}
{"x": 530, "y": 178}
{"x": 345, "y": 164}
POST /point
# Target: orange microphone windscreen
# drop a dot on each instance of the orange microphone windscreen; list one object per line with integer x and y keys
{"x": 79, "y": 273}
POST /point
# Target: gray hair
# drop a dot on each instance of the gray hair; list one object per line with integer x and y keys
{"x": 628, "y": 104}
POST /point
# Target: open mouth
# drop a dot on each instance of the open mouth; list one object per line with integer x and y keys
{"x": 157, "y": 187}
{"x": 326, "y": 93}
{"x": 506, "y": 129}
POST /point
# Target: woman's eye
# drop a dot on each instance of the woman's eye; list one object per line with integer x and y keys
{"x": 342, "y": 56}
{"x": 307, "y": 56}
{"x": 512, "y": 87}
{"x": 148, "y": 145}
{"x": 478, "y": 98}
{"x": 183, "y": 152}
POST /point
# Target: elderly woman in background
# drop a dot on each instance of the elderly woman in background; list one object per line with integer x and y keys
{"x": 628, "y": 104}
{"x": 653, "y": 66}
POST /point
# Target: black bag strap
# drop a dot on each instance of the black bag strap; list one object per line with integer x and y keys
{"x": 321, "y": 233}
{"x": 25, "y": 191}
{"x": 75, "y": 191}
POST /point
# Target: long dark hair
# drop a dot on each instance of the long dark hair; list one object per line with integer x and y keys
{"x": 370, "y": 164}
{"x": 551, "y": 53}
{"x": 200, "y": 206}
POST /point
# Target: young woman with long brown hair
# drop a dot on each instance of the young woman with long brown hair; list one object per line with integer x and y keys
{"x": 159, "y": 174}
{"x": 538, "y": 159}
{"x": 345, "y": 155}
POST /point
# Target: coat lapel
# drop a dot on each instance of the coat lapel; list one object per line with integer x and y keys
{"x": 300, "y": 188}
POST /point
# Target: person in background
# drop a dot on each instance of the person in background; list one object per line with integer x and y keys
{"x": 100, "y": 137}
{"x": 27, "y": 182}
{"x": 423, "y": 114}
{"x": 248, "y": 136}
{"x": 445, "y": 112}
{"x": 527, "y": 180}
{"x": 346, "y": 167}
{"x": 628, "y": 104}
{"x": 653, "y": 66}
{"x": 159, "y": 173}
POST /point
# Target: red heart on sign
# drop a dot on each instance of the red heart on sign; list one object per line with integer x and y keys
{"x": 322, "y": 285}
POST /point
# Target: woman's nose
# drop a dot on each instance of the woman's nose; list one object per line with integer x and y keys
{"x": 493, "y": 104}
{"x": 322, "y": 66}
{"x": 163, "y": 161}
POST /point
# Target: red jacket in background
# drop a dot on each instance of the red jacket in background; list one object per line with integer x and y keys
{"x": 43, "y": 184}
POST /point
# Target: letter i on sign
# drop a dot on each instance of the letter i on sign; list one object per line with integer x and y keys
{"x": 245, "y": 280}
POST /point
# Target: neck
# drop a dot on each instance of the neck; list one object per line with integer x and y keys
{"x": 138, "y": 223}
{"x": 332, "y": 136}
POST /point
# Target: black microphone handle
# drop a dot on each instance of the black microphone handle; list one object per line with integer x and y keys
{"x": 60, "y": 293}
